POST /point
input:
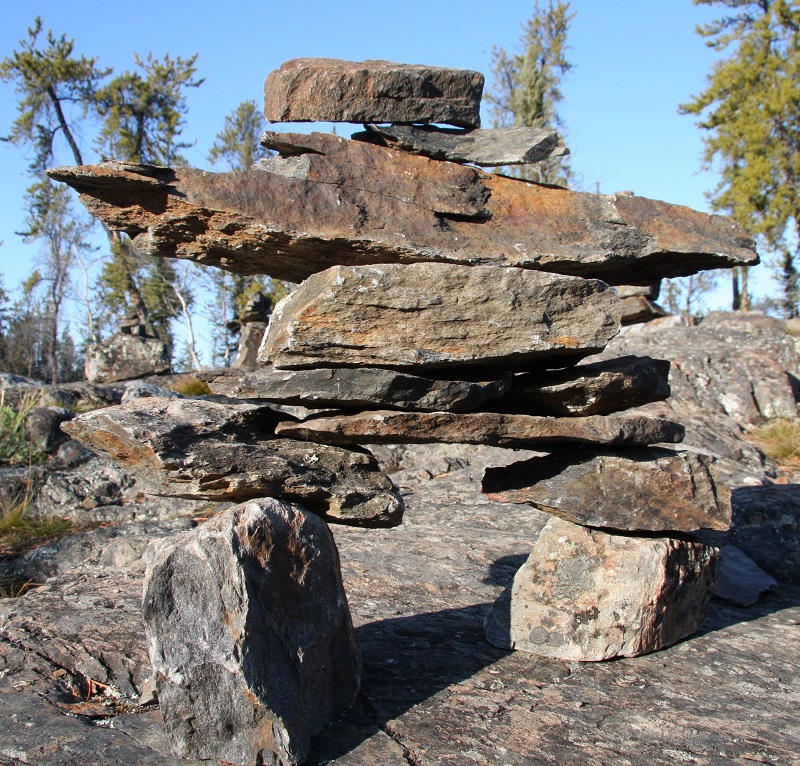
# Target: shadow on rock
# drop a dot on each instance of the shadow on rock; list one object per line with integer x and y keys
{"x": 502, "y": 571}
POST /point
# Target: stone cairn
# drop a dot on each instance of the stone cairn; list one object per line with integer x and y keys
{"x": 438, "y": 303}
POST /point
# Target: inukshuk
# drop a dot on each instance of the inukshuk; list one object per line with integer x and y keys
{"x": 438, "y": 302}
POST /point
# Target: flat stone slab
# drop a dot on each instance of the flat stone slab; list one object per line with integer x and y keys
{"x": 332, "y": 90}
{"x": 598, "y": 388}
{"x": 249, "y": 634}
{"x": 332, "y": 201}
{"x": 432, "y": 316}
{"x": 391, "y": 427}
{"x": 204, "y": 450}
{"x": 487, "y": 148}
{"x": 589, "y": 596}
{"x": 126, "y": 357}
{"x": 357, "y": 387}
{"x": 645, "y": 489}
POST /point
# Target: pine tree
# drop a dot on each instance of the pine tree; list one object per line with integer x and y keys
{"x": 750, "y": 111}
{"x": 526, "y": 86}
{"x": 238, "y": 143}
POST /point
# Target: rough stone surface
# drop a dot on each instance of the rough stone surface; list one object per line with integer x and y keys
{"x": 739, "y": 578}
{"x": 331, "y": 201}
{"x": 487, "y": 148}
{"x": 205, "y": 450}
{"x": 250, "y": 337}
{"x": 141, "y": 389}
{"x": 574, "y": 598}
{"x": 124, "y": 357}
{"x": 360, "y": 388}
{"x": 43, "y": 427}
{"x": 637, "y": 309}
{"x": 332, "y": 90}
{"x": 273, "y": 657}
{"x": 429, "y": 316}
{"x": 646, "y": 489}
{"x": 390, "y": 427}
{"x": 597, "y": 388}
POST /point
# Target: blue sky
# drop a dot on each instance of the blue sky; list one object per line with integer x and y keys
{"x": 635, "y": 61}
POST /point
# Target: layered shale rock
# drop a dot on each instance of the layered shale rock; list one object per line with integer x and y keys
{"x": 647, "y": 489}
{"x": 575, "y": 598}
{"x": 332, "y": 201}
{"x": 332, "y": 90}
{"x": 465, "y": 317}
{"x": 126, "y": 357}
{"x": 204, "y": 450}
{"x": 271, "y": 657}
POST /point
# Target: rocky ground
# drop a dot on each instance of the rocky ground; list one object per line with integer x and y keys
{"x": 74, "y": 668}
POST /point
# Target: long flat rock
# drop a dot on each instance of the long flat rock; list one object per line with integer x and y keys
{"x": 333, "y": 90}
{"x": 488, "y": 148}
{"x": 332, "y": 201}
{"x": 432, "y": 316}
{"x": 391, "y": 427}
{"x": 357, "y": 387}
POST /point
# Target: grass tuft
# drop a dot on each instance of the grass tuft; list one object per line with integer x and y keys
{"x": 20, "y": 532}
{"x": 779, "y": 440}
{"x": 15, "y": 446}
{"x": 12, "y": 587}
{"x": 189, "y": 385}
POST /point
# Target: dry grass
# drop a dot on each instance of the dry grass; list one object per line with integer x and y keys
{"x": 189, "y": 385}
{"x": 779, "y": 440}
{"x": 12, "y": 587}
{"x": 19, "y": 531}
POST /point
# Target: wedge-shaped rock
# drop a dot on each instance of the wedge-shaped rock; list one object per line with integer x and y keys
{"x": 429, "y": 316}
{"x": 587, "y": 595}
{"x": 648, "y": 489}
{"x": 487, "y": 148}
{"x": 391, "y": 427}
{"x": 205, "y": 450}
{"x": 588, "y": 389}
{"x": 358, "y": 387}
{"x": 332, "y": 90}
{"x": 334, "y": 201}
{"x": 249, "y": 634}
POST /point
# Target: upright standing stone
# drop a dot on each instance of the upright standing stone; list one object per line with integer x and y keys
{"x": 249, "y": 634}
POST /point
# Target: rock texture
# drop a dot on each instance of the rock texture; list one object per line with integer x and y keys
{"x": 332, "y": 201}
{"x": 358, "y": 387}
{"x": 332, "y": 90}
{"x": 206, "y": 450}
{"x": 597, "y": 388}
{"x": 739, "y": 578}
{"x": 465, "y": 317}
{"x": 124, "y": 357}
{"x": 573, "y": 598}
{"x": 389, "y": 427}
{"x": 487, "y": 148}
{"x": 648, "y": 489}
{"x": 274, "y": 658}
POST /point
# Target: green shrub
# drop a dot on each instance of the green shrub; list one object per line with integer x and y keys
{"x": 15, "y": 447}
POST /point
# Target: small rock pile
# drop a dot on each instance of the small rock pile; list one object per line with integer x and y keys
{"x": 438, "y": 303}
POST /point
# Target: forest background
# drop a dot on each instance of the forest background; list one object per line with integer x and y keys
{"x": 632, "y": 65}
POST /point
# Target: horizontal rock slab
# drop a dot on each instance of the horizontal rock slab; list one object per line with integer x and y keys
{"x": 638, "y": 308}
{"x": 487, "y": 148}
{"x": 125, "y": 357}
{"x": 357, "y": 387}
{"x": 250, "y": 635}
{"x": 332, "y": 90}
{"x": 391, "y": 427}
{"x": 597, "y": 388}
{"x": 587, "y": 595}
{"x": 431, "y": 316}
{"x": 342, "y": 202}
{"x": 647, "y": 489}
{"x": 204, "y": 450}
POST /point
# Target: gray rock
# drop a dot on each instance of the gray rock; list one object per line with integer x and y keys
{"x": 250, "y": 635}
{"x": 227, "y": 452}
{"x": 645, "y": 291}
{"x": 598, "y": 388}
{"x": 360, "y": 387}
{"x": 495, "y": 429}
{"x": 9, "y": 380}
{"x": 487, "y": 148}
{"x": 431, "y": 316}
{"x": 739, "y": 578}
{"x": 43, "y": 427}
{"x": 141, "y": 389}
{"x": 251, "y": 336}
{"x": 589, "y": 596}
{"x": 124, "y": 357}
{"x": 645, "y": 489}
{"x": 332, "y": 90}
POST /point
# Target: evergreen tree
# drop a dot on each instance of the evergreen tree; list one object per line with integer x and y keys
{"x": 526, "y": 86}
{"x": 750, "y": 111}
{"x": 238, "y": 143}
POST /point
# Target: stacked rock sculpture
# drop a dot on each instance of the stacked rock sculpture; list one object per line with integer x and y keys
{"x": 439, "y": 303}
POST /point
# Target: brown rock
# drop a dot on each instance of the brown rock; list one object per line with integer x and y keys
{"x": 390, "y": 427}
{"x": 589, "y": 596}
{"x": 336, "y": 201}
{"x": 126, "y": 357}
{"x": 251, "y": 336}
{"x": 647, "y": 489}
{"x": 332, "y": 90}
{"x": 638, "y": 308}
{"x": 435, "y": 315}
{"x": 204, "y": 450}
